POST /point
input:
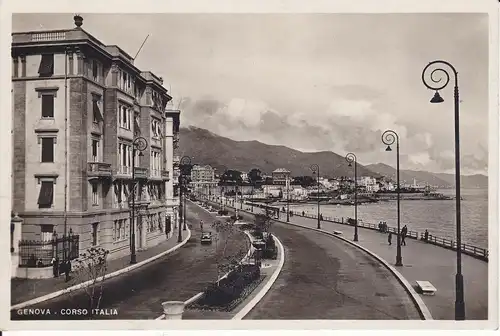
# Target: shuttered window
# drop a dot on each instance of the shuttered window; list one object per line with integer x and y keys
{"x": 46, "y": 196}
{"x": 97, "y": 111}
{"x": 46, "y": 68}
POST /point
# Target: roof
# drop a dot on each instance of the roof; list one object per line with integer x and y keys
{"x": 281, "y": 170}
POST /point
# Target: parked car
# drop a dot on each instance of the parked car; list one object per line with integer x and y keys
{"x": 206, "y": 238}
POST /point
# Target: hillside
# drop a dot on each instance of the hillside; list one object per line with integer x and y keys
{"x": 206, "y": 147}
{"x": 436, "y": 179}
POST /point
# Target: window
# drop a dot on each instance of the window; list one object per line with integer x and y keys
{"x": 46, "y": 68}
{"x": 47, "y": 149}
{"x": 95, "y": 194}
{"x": 124, "y": 117}
{"x": 95, "y": 150}
{"x": 47, "y": 106}
{"x": 46, "y": 196}
{"x": 47, "y": 232}
{"x": 96, "y": 109}
{"x": 95, "y": 227}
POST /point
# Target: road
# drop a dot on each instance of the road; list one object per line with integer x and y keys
{"x": 139, "y": 293}
{"x": 326, "y": 278}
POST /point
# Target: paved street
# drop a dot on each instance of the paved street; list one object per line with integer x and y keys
{"x": 139, "y": 293}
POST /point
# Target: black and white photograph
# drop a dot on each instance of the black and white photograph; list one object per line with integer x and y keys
{"x": 218, "y": 166}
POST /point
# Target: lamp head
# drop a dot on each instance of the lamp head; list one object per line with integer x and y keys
{"x": 141, "y": 153}
{"x": 437, "y": 98}
{"x": 350, "y": 164}
{"x": 388, "y": 149}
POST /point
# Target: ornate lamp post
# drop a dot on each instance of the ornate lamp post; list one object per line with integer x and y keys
{"x": 139, "y": 144}
{"x": 350, "y": 158}
{"x": 437, "y": 84}
{"x": 315, "y": 170}
{"x": 288, "y": 199}
{"x": 185, "y": 163}
{"x": 388, "y": 138}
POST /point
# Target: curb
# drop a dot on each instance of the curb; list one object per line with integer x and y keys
{"x": 107, "y": 276}
{"x": 251, "y": 305}
{"x": 419, "y": 303}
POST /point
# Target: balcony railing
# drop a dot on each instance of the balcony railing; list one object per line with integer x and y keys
{"x": 98, "y": 169}
{"x": 141, "y": 173}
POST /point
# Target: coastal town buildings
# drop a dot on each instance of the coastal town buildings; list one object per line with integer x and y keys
{"x": 79, "y": 107}
{"x": 280, "y": 176}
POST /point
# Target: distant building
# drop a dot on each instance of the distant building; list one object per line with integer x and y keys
{"x": 203, "y": 178}
{"x": 244, "y": 177}
{"x": 280, "y": 176}
{"x": 368, "y": 183}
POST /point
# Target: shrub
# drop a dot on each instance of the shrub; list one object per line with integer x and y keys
{"x": 233, "y": 217}
{"x": 270, "y": 251}
{"x": 223, "y": 212}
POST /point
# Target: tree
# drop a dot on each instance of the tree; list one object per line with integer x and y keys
{"x": 264, "y": 221}
{"x": 255, "y": 176}
{"x": 226, "y": 261}
{"x": 231, "y": 176}
{"x": 304, "y": 181}
{"x": 91, "y": 266}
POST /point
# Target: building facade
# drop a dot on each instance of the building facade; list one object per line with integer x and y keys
{"x": 203, "y": 179}
{"x": 79, "y": 107}
{"x": 280, "y": 176}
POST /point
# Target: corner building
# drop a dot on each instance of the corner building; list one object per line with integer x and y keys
{"x": 78, "y": 105}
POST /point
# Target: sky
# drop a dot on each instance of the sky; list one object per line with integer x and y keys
{"x": 314, "y": 82}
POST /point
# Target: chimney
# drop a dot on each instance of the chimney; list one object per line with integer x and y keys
{"x": 78, "y": 20}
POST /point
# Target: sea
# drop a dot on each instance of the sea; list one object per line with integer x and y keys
{"x": 437, "y": 216}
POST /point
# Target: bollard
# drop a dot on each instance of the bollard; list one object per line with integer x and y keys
{"x": 173, "y": 310}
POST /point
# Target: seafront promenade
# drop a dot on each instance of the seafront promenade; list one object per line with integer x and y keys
{"x": 422, "y": 261}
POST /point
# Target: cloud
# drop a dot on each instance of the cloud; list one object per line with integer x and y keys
{"x": 346, "y": 125}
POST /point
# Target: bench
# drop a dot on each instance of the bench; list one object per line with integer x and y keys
{"x": 426, "y": 287}
{"x": 337, "y": 232}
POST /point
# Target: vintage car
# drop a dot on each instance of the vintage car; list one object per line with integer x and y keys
{"x": 206, "y": 238}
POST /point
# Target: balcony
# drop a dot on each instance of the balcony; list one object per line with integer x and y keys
{"x": 141, "y": 173}
{"x": 99, "y": 169}
{"x": 165, "y": 175}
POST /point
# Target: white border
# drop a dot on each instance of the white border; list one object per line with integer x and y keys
{"x": 255, "y": 6}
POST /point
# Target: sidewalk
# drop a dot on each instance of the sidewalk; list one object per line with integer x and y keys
{"x": 26, "y": 289}
{"x": 422, "y": 262}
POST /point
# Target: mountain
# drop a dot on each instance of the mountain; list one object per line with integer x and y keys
{"x": 441, "y": 180}
{"x": 205, "y": 147}
{"x": 467, "y": 181}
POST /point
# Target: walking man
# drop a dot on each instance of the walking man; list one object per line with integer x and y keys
{"x": 55, "y": 266}
{"x": 201, "y": 225}
{"x": 404, "y": 231}
{"x": 389, "y": 238}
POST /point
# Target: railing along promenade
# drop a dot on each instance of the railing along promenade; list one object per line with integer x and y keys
{"x": 471, "y": 250}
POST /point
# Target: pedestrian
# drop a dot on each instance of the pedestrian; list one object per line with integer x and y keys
{"x": 303, "y": 214}
{"x": 404, "y": 231}
{"x": 426, "y": 235}
{"x": 55, "y": 266}
{"x": 201, "y": 225}
{"x": 67, "y": 269}
{"x": 39, "y": 262}
{"x": 389, "y": 238}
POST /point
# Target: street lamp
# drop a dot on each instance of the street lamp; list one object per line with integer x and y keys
{"x": 350, "y": 158}
{"x": 315, "y": 170}
{"x": 185, "y": 163}
{"x": 388, "y": 138}
{"x": 438, "y": 85}
{"x": 139, "y": 144}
